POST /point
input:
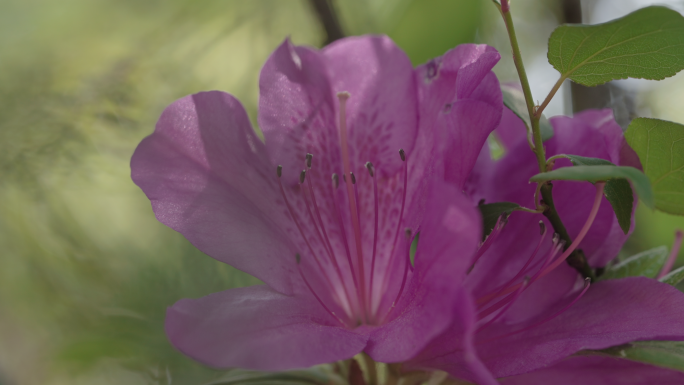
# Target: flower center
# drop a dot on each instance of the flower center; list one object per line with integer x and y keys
{"x": 350, "y": 284}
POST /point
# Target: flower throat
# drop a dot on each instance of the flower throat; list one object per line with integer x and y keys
{"x": 347, "y": 292}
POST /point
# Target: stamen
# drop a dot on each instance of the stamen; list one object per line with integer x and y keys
{"x": 294, "y": 219}
{"x": 555, "y": 249}
{"x": 403, "y": 280}
{"x": 522, "y": 271}
{"x": 313, "y": 220}
{"x": 508, "y": 303}
{"x": 673, "y": 254}
{"x": 402, "y": 155}
{"x": 335, "y": 181}
{"x": 301, "y": 274}
{"x": 326, "y": 244}
{"x": 500, "y": 223}
{"x": 343, "y": 96}
{"x": 369, "y": 166}
{"x": 587, "y": 283}
{"x": 583, "y": 231}
{"x": 558, "y": 246}
{"x": 309, "y": 157}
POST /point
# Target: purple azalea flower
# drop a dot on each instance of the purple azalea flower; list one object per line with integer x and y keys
{"x": 325, "y": 210}
{"x": 530, "y": 309}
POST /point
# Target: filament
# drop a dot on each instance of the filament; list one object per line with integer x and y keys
{"x": 583, "y": 231}
{"x": 495, "y": 307}
{"x": 587, "y": 283}
{"x": 375, "y": 233}
{"x": 301, "y": 274}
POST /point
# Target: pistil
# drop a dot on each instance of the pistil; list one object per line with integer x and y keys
{"x": 343, "y": 96}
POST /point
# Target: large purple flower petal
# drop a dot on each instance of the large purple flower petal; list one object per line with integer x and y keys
{"x": 207, "y": 176}
{"x": 460, "y": 98}
{"x": 382, "y": 112}
{"x": 432, "y": 297}
{"x": 610, "y": 313}
{"x": 297, "y": 111}
{"x": 597, "y": 370}
{"x": 258, "y": 328}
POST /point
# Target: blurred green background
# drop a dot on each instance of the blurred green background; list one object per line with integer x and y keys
{"x": 86, "y": 271}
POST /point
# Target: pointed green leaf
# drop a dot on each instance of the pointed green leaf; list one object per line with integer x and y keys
{"x": 491, "y": 213}
{"x": 585, "y": 161}
{"x": 602, "y": 173}
{"x": 660, "y": 146}
{"x": 667, "y": 354}
{"x": 514, "y": 99}
{"x": 646, "y": 264}
{"x": 646, "y": 44}
{"x": 619, "y": 194}
{"x": 617, "y": 191}
{"x": 674, "y": 277}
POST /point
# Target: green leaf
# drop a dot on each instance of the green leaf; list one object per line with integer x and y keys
{"x": 602, "y": 173}
{"x": 617, "y": 191}
{"x": 491, "y": 213}
{"x": 646, "y": 264}
{"x": 674, "y": 277}
{"x": 646, "y": 44}
{"x": 667, "y": 354}
{"x": 619, "y": 194}
{"x": 660, "y": 146}
{"x": 585, "y": 161}
{"x": 514, "y": 99}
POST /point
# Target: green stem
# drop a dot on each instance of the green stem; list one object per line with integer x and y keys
{"x": 577, "y": 258}
{"x": 371, "y": 370}
{"x": 527, "y": 91}
{"x": 546, "y": 101}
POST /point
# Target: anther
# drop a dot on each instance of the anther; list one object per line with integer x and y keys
{"x": 302, "y": 176}
{"x": 298, "y": 258}
{"x": 402, "y": 154}
{"x": 408, "y": 233}
{"x": 542, "y": 227}
{"x": 335, "y": 180}
{"x": 308, "y": 160}
{"x": 344, "y": 178}
{"x": 344, "y": 95}
{"x": 481, "y": 202}
{"x": 369, "y": 166}
{"x": 279, "y": 171}
{"x": 353, "y": 178}
{"x": 555, "y": 238}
